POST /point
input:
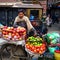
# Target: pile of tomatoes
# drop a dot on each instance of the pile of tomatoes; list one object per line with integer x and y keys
{"x": 36, "y": 45}
{"x": 36, "y": 49}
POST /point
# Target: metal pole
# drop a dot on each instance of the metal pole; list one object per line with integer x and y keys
{"x": 6, "y": 17}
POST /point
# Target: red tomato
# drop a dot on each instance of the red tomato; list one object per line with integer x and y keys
{"x": 41, "y": 49}
{"x": 43, "y": 46}
{"x": 28, "y": 46}
{"x": 38, "y": 50}
{"x": 33, "y": 47}
{"x": 35, "y": 51}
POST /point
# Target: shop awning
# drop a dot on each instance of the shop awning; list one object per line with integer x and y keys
{"x": 28, "y": 6}
{"x": 20, "y": 5}
{"x": 5, "y": 4}
{"x": 9, "y": 4}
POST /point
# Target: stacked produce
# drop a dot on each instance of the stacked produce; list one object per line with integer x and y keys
{"x": 11, "y": 33}
{"x": 52, "y": 38}
{"x": 36, "y": 45}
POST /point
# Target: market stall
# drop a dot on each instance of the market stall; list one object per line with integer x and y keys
{"x": 11, "y": 38}
{"x": 14, "y": 38}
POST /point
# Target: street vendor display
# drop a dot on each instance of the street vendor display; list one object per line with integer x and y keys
{"x": 12, "y": 37}
{"x": 52, "y": 38}
{"x": 35, "y": 45}
{"x": 11, "y": 33}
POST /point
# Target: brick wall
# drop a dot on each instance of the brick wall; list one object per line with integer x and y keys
{"x": 44, "y": 5}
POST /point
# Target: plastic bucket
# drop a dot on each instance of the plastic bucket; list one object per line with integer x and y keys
{"x": 57, "y": 55}
{"x": 52, "y": 49}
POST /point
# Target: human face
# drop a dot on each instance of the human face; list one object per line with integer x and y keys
{"x": 21, "y": 14}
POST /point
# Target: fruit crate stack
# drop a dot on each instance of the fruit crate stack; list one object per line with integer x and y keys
{"x": 15, "y": 34}
{"x": 35, "y": 45}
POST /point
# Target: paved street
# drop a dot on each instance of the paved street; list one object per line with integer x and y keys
{"x": 54, "y": 28}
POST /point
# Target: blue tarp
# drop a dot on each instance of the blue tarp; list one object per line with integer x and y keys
{"x": 1, "y": 25}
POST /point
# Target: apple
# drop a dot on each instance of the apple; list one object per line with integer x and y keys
{"x": 14, "y": 31}
{"x": 8, "y": 28}
{"x": 17, "y": 34}
{"x": 24, "y": 33}
{"x": 11, "y": 28}
{"x": 13, "y": 39}
{"x": 17, "y": 39}
{"x": 4, "y": 33}
{"x": 13, "y": 35}
{"x": 5, "y": 27}
{"x": 18, "y": 30}
{"x": 20, "y": 38}
{"x": 18, "y": 27}
{"x": 10, "y": 35}
{"x": 6, "y": 36}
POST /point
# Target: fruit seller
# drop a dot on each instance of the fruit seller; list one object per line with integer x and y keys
{"x": 23, "y": 21}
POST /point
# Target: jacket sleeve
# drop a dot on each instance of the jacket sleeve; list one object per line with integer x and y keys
{"x": 31, "y": 29}
{"x": 33, "y": 32}
{"x": 15, "y": 23}
{"x": 29, "y": 25}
